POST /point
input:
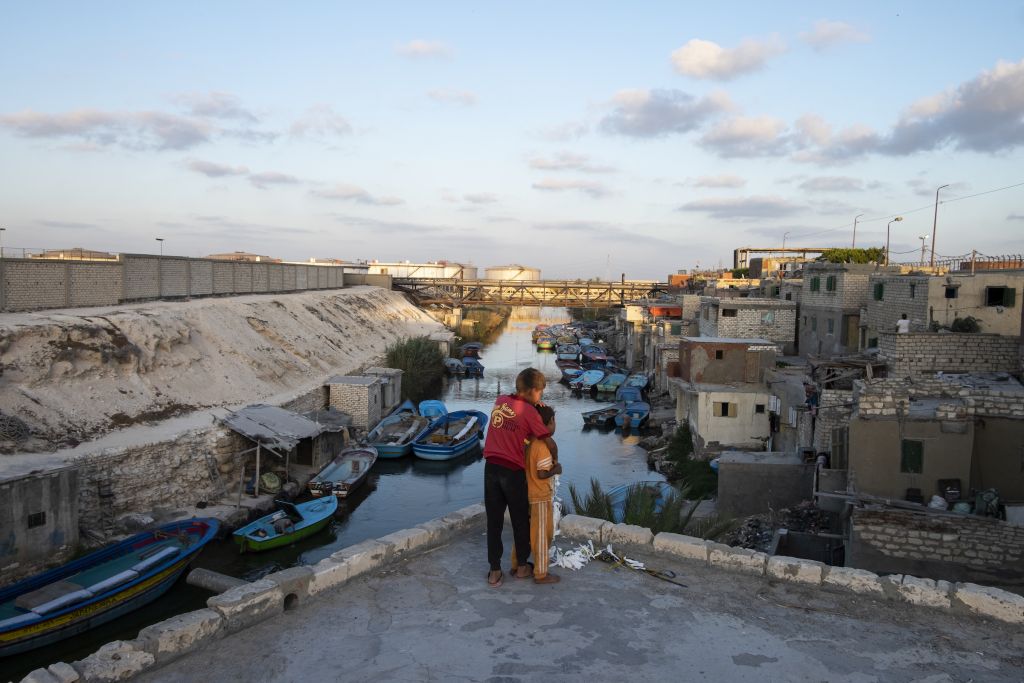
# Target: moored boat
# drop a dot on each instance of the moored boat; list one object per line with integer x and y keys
{"x": 611, "y": 382}
{"x": 546, "y": 343}
{"x": 569, "y": 374}
{"x": 345, "y": 472}
{"x": 474, "y": 368}
{"x": 454, "y": 366}
{"x": 100, "y": 586}
{"x": 291, "y": 522}
{"x": 432, "y": 409}
{"x": 393, "y": 436}
{"x": 638, "y": 380}
{"x": 568, "y": 352}
{"x": 471, "y": 350}
{"x": 587, "y": 380}
{"x": 602, "y": 417}
{"x": 451, "y": 435}
{"x": 633, "y": 412}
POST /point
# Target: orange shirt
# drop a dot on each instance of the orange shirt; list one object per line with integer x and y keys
{"x": 538, "y": 457}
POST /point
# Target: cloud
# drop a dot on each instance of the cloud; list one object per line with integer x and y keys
{"x": 262, "y": 180}
{"x": 460, "y": 97}
{"x": 1015, "y": 217}
{"x": 743, "y": 208}
{"x": 564, "y": 132}
{"x": 708, "y": 60}
{"x": 214, "y": 170}
{"x": 68, "y": 225}
{"x": 832, "y": 184}
{"x": 718, "y": 181}
{"x": 744, "y": 136}
{"x": 424, "y": 49}
{"x": 321, "y": 120}
{"x": 133, "y": 130}
{"x": 567, "y": 161}
{"x": 354, "y": 193}
{"x": 604, "y": 231}
{"x": 926, "y": 188}
{"x": 826, "y": 34}
{"x": 216, "y": 105}
{"x": 657, "y": 113}
{"x": 393, "y": 227}
{"x": 480, "y": 198}
{"x": 594, "y": 189}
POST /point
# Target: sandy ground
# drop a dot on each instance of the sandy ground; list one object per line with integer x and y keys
{"x": 434, "y": 618}
{"x": 75, "y": 375}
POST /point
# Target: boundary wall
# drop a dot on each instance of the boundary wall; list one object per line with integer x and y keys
{"x": 251, "y": 603}
{"x": 35, "y": 284}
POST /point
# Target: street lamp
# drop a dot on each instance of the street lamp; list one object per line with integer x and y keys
{"x": 923, "y": 238}
{"x": 854, "y": 245}
{"x": 161, "y": 241}
{"x": 935, "y": 221}
{"x": 894, "y": 220}
{"x": 784, "y": 239}
{"x": 2, "y": 231}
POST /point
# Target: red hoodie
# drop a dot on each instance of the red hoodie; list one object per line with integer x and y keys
{"x": 513, "y": 422}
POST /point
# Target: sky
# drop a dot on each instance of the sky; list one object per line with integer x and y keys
{"x": 589, "y": 139}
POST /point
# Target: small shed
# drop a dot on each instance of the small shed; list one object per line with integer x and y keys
{"x": 391, "y": 387}
{"x": 360, "y": 397}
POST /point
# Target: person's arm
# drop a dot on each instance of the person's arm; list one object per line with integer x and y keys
{"x": 552, "y": 446}
{"x": 547, "y": 474}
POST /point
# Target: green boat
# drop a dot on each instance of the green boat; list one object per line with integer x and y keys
{"x": 288, "y": 524}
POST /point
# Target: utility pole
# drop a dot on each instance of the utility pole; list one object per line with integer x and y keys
{"x": 935, "y": 222}
{"x": 854, "y": 245}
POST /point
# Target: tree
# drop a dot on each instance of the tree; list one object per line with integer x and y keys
{"x": 872, "y": 255}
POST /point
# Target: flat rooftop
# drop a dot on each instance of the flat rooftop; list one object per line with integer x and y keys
{"x": 433, "y": 617}
{"x": 726, "y": 340}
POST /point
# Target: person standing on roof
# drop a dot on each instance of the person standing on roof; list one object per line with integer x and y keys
{"x": 903, "y": 325}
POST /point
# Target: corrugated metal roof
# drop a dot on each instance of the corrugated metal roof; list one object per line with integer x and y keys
{"x": 277, "y": 428}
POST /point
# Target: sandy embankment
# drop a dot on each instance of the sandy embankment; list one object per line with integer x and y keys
{"x": 75, "y": 375}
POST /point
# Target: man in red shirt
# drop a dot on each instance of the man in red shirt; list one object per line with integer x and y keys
{"x": 514, "y": 421}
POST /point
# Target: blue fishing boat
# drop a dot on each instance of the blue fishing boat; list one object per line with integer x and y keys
{"x": 632, "y": 414}
{"x": 474, "y": 368}
{"x": 451, "y": 435}
{"x": 611, "y": 382}
{"x": 617, "y": 496}
{"x": 567, "y": 351}
{"x": 638, "y": 380}
{"x": 99, "y": 587}
{"x": 587, "y": 380}
{"x": 433, "y": 409}
{"x": 394, "y": 435}
{"x": 286, "y": 525}
{"x": 569, "y": 374}
{"x": 454, "y": 366}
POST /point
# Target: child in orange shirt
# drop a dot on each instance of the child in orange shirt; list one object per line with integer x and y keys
{"x": 541, "y": 465}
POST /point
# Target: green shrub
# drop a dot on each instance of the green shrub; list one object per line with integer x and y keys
{"x": 697, "y": 475}
{"x": 421, "y": 363}
{"x": 968, "y": 324}
{"x": 872, "y": 255}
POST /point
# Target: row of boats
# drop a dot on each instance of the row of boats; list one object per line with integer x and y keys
{"x": 469, "y": 365}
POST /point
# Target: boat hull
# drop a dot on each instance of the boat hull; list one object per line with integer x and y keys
{"x": 448, "y": 453}
{"x": 316, "y": 514}
{"x": 251, "y": 545}
{"x": 424, "y": 448}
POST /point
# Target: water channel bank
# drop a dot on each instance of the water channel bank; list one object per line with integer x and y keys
{"x": 406, "y": 492}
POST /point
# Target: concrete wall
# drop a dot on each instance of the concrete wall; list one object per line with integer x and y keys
{"x": 999, "y": 457}
{"x": 837, "y": 309}
{"x": 739, "y": 362}
{"x": 763, "y": 484}
{"x": 55, "y": 494}
{"x": 971, "y": 300}
{"x": 834, "y": 409}
{"x": 950, "y": 547}
{"x": 753, "y": 319}
{"x": 27, "y": 284}
{"x": 875, "y": 453}
{"x": 713, "y": 433}
{"x": 361, "y": 401}
{"x": 901, "y": 294}
{"x": 926, "y": 353}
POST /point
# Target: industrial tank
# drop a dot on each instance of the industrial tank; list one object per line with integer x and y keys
{"x": 512, "y": 272}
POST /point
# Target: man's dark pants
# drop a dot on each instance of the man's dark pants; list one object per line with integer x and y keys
{"x": 506, "y": 488}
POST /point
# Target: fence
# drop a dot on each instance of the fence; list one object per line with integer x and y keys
{"x": 28, "y": 284}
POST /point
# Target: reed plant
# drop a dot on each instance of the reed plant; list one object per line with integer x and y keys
{"x": 421, "y": 362}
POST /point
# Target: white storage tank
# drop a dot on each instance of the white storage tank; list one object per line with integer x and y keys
{"x": 512, "y": 272}
{"x": 430, "y": 269}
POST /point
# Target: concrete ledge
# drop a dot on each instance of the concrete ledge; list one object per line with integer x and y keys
{"x": 688, "y": 547}
{"x": 926, "y": 592}
{"x": 795, "y": 570}
{"x": 465, "y": 518}
{"x": 39, "y": 676}
{"x": 406, "y": 541}
{"x": 250, "y": 604}
{"x": 294, "y": 584}
{"x": 627, "y": 534}
{"x": 585, "y": 528}
{"x": 989, "y": 602}
{"x": 65, "y": 673}
{"x": 437, "y": 531}
{"x": 737, "y": 559}
{"x": 891, "y": 585}
{"x": 116, "y": 661}
{"x": 181, "y": 634}
{"x": 854, "y": 580}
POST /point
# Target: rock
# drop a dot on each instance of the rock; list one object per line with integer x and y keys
{"x": 628, "y": 534}
{"x": 737, "y": 559}
{"x": 926, "y": 592}
{"x": 795, "y": 570}
{"x": 116, "y": 661}
{"x": 246, "y": 605}
{"x": 989, "y": 602}
{"x": 134, "y": 522}
{"x": 182, "y": 633}
{"x": 39, "y": 676}
{"x": 855, "y": 580}
{"x": 64, "y": 672}
{"x": 687, "y": 547}
{"x": 583, "y": 528}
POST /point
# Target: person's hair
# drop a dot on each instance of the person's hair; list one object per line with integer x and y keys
{"x": 547, "y": 413}
{"x": 904, "y": 316}
{"x": 530, "y": 378}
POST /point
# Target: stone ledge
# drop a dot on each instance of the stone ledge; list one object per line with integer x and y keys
{"x": 116, "y": 661}
{"x": 627, "y": 534}
{"x": 406, "y": 541}
{"x": 65, "y": 673}
{"x": 465, "y": 517}
{"x": 294, "y": 584}
{"x": 585, "y": 528}
{"x": 989, "y": 602}
{"x": 688, "y": 547}
{"x": 171, "y": 638}
{"x": 926, "y": 592}
{"x": 854, "y": 580}
{"x": 243, "y": 606}
{"x": 795, "y": 570}
{"x": 737, "y": 559}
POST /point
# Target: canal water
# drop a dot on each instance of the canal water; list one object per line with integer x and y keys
{"x": 403, "y": 493}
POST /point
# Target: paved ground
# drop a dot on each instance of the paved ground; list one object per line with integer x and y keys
{"x": 434, "y": 618}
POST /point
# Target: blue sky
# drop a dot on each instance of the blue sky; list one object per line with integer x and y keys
{"x": 583, "y": 138}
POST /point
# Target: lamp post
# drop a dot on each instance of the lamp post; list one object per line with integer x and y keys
{"x": 784, "y": 239}
{"x": 923, "y": 238}
{"x": 160, "y": 271}
{"x": 935, "y": 221}
{"x": 161, "y": 241}
{"x": 894, "y": 220}
{"x": 2, "y": 231}
{"x": 854, "y": 245}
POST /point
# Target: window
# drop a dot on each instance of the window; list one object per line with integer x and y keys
{"x": 913, "y": 291}
{"x": 952, "y": 292}
{"x": 768, "y": 317}
{"x": 789, "y": 296}
{"x": 776, "y": 290}
{"x": 805, "y": 321}
{"x": 879, "y": 291}
{"x": 36, "y": 519}
{"x": 719, "y": 354}
{"x": 707, "y": 313}
{"x": 814, "y": 323}
{"x": 912, "y": 457}
{"x": 830, "y": 283}
{"x": 758, "y": 408}
{"x": 831, "y": 326}
{"x": 724, "y": 409}
{"x": 728, "y": 312}
{"x": 872, "y": 342}
{"x": 815, "y": 284}
{"x": 1000, "y": 296}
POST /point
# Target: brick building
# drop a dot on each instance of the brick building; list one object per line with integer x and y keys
{"x": 926, "y": 353}
{"x": 391, "y": 387}
{"x": 360, "y": 397}
{"x": 831, "y": 300}
{"x": 747, "y": 318}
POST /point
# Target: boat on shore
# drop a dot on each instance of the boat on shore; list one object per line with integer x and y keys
{"x": 344, "y": 473}
{"x": 100, "y": 586}
{"x": 291, "y": 522}
{"x": 451, "y": 435}
{"x": 393, "y": 436}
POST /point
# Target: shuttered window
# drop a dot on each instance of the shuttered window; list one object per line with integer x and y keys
{"x": 912, "y": 457}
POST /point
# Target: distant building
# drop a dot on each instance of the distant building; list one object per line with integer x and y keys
{"x": 430, "y": 269}
{"x": 512, "y": 272}
{"x": 832, "y": 298}
{"x": 243, "y": 256}
{"x": 750, "y": 318}
{"x": 74, "y": 254}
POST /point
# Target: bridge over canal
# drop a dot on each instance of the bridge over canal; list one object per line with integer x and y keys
{"x": 569, "y": 293}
